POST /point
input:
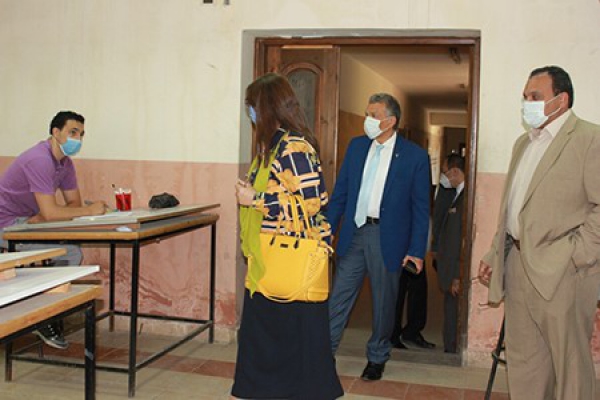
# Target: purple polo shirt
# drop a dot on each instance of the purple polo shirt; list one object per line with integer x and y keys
{"x": 34, "y": 171}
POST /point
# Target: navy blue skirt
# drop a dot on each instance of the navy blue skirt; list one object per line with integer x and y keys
{"x": 284, "y": 352}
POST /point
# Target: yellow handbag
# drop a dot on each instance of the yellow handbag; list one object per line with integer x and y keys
{"x": 296, "y": 268}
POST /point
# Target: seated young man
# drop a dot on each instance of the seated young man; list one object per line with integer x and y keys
{"x": 28, "y": 194}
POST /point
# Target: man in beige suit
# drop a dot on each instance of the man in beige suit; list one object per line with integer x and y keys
{"x": 544, "y": 257}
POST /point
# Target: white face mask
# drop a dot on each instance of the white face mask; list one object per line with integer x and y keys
{"x": 533, "y": 112}
{"x": 444, "y": 181}
{"x": 372, "y": 127}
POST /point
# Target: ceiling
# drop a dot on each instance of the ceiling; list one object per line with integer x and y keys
{"x": 433, "y": 76}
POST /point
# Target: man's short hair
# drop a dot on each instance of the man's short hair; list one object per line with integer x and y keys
{"x": 391, "y": 105}
{"x": 455, "y": 161}
{"x": 62, "y": 117}
{"x": 561, "y": 81}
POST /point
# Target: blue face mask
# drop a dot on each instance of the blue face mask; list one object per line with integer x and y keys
{"x": 252, "y": 114}
{"x": 71, "y": 147}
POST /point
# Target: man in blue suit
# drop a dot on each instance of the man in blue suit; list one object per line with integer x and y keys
{"x": 381, "y": 199}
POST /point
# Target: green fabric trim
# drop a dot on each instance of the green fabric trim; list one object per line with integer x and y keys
{"x": 251, "y": 222}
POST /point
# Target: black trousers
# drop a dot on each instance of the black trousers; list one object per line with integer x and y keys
{"x": 450, "y": 322}
{"x": 413, "y": 290}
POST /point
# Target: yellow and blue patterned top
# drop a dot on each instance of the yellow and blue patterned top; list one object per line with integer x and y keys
{"x": 295, "y": 170}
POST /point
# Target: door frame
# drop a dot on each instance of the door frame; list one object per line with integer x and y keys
{"x": 255, "y": 43}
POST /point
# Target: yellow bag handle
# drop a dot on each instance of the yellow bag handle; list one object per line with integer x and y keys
{"x": 307, "y": 224}
{"x": 294, "y": 210}
{"x": 295, "y": 201}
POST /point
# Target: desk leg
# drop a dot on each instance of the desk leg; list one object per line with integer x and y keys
{"x": 8, "y": 362}
{"x": 8, "y": 347}
{"x": 111, "y": 296}
{"x": 90, "y": 351}
{"x": 213, "y": 256}
{"x": 135, "y": 285}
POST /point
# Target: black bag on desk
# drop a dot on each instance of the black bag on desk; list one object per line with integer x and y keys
{"x": 164, "y": 200}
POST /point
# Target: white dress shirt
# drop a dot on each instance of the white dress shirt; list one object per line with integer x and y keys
{"x": 539, "y": 141}
{"x": 459, "y": 190}
{"x": 381, "y": 175}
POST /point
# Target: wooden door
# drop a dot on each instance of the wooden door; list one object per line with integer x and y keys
{"x": 313, "y": 72}
{"x": 314, "y": 62}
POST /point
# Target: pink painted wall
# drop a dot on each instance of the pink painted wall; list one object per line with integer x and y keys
{"x": 484, "y": 322}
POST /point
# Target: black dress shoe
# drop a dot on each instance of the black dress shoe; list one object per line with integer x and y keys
{"x": 417, "y": 342}
{"x": 452, "y": 351}
{"x": 372, "y": 372}
{"x": 397, "y": 344}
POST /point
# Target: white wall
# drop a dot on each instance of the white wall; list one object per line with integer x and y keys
{"x": 160, "y": 80}
{"x": 435, "y": 121}
{"x": 358, "y": 83}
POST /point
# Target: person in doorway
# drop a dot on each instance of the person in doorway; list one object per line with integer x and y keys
{"x": 413, "y": 291}
{"x": 381, "y": 197}
{"x": 283, "y": 348}
{"x": 544, "y": 257}
{"x": 444, "y": 196}
{"x": 449, "y": 239}
{"x": 413, "y": 288}
{"x": 28, "y": 194}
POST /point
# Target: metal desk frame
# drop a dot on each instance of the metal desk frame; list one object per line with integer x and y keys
{"x": 149, "y": 232}
{"x": 89, "y": 308}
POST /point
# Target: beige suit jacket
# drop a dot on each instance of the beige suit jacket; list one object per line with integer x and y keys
{"x": 560, "y": 218}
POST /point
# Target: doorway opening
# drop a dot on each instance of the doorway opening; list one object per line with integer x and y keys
{"x": 435, "y": 76}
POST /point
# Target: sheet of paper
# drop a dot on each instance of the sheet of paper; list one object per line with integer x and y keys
{"x": 108, "y": 215}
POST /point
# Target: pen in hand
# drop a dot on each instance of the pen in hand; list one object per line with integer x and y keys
{"x": 91, "y": 203}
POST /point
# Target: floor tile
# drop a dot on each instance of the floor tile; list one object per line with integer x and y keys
{"x": 385, "y": 389}
{"x": 216, "y": 368}
{"x": 178, "y": 364}
{"x": 479, "y": 395}
{"x": 421, "y": 392}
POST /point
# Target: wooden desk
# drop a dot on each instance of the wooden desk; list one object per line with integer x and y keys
{"x": 144, "y": 226}
{"x": 28, "y": 315}
{"x": 11, "y": 260}
{"x": 26, "y": 305}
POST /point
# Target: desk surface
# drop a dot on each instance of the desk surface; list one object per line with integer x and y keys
{"x": 103, "y": 233}
{"x": 146, "y": 224}
{"x": 31, "y": 281}
{"x": 137, "y": 216}
{"x": 38, "y": 308}
{"x": 11, "y": 260}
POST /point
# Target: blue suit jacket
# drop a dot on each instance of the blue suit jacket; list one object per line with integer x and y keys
{"x": 404, "y": 209}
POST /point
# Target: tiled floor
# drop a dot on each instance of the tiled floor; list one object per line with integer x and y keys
{"x": 204, "y": 371}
